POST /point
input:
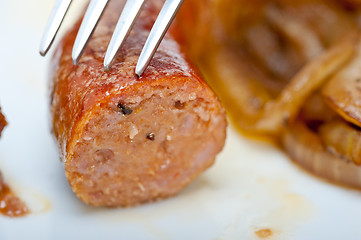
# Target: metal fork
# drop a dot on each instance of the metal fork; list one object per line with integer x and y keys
{"x": 125, "y": 23}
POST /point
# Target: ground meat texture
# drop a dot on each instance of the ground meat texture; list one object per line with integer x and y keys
{"x": 126, "y": 140}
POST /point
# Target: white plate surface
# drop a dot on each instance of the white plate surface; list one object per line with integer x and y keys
{"x": 252, "y": 186}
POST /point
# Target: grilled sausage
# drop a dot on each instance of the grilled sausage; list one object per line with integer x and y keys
{"x": 126, "y": 140}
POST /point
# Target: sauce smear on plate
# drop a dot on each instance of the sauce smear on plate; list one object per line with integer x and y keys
{"x": 264, "y": 233}
{"x": 10, "y": 204}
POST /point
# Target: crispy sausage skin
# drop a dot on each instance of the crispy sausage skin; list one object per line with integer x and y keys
{"x": 126, "y": 140}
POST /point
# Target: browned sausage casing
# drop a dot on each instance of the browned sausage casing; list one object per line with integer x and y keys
{"x": 126, "y": 140}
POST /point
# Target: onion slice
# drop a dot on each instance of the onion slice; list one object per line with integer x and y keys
{"x": 342, "y": 139}
{"x": 300, "y": 36}
{"x": 306, "y": 148}
{"x": 343, "y": 92}
{"x": 310, "y": 78}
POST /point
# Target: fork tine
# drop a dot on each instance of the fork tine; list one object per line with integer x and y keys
{"x": 56, "y": 18}
{"x": 90, "y": 20}
{"x": 159, "y": 29}
{"x": 125, "y": 24}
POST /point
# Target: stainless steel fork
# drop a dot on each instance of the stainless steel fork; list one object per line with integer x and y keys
{"x": 125, "y": 23}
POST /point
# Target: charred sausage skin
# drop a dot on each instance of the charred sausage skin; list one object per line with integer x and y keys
{"x": 126, "y": 140}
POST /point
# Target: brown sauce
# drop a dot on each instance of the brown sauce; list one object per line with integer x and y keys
{"x": 10, "y": 204}
{"x": 2, "y": 122}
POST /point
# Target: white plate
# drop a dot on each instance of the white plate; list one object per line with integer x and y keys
{"x": 252, "y": 186}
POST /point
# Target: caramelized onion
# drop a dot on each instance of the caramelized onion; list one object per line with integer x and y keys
{"x": 269, "y": 76}
{"x": 316, "y": 110}
{"x": 310, "y": 78}
{"x": 300, "y": 36}
{"x": 266, "y": 48}
{"x": 306, "y": 148}
{"x": 343, "y": 91}
{"x": 239, "y": 83}
{"x": 325, "y": 18}
{"x": 342, "y": 139}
